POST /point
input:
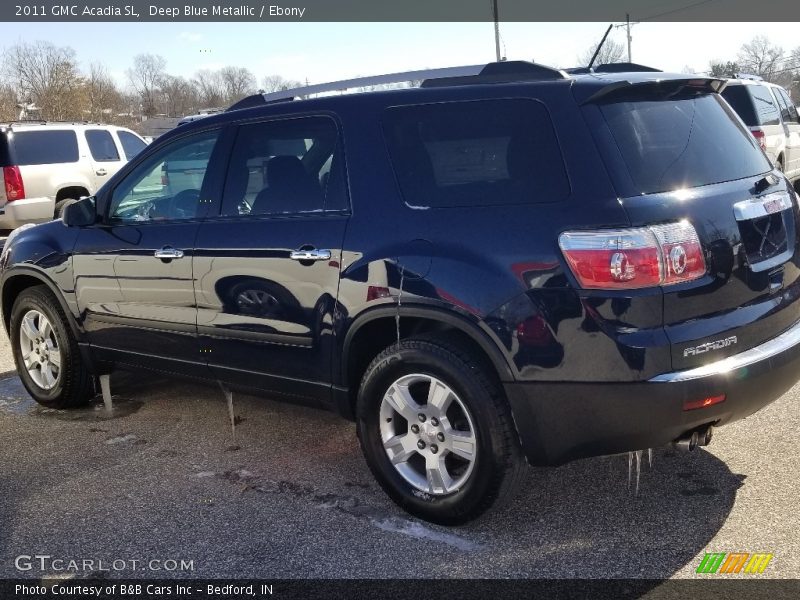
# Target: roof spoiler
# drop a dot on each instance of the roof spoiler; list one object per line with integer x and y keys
{"x": 624, "y": 67}
{"x": 656, "y": 89}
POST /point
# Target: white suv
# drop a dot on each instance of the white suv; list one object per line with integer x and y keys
{"x": 772, "y": 117}
{"x": 45, "y": 166}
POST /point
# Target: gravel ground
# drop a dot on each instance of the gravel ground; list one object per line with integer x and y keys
{"x": 161, "y": 478}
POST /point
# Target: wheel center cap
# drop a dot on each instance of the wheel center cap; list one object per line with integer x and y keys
{"x": 428, "y": 432}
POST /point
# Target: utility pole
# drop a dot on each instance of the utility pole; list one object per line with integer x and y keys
{"x": 496, "y": 30}
{"x": 628, "y": 28}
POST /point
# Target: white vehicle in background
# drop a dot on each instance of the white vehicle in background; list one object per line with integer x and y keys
{"x": 773, "y": 119}
{"x": 48, "y": 165}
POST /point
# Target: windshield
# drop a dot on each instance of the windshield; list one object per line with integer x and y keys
{"x": 675, "y": 144}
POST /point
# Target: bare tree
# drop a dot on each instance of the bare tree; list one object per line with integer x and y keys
{"x": 792, "y": 66}
{"x": 238, "y": 82}
{"x": 179, "y": 96}
{"x": 724, "y": 69}
{"x": 761, "y": 57}
{"x": 147, "y": 72}
{"x": 210, "y": 88}
{"x": 103, "y": 97}
{"x": 46, "y": 75}
{"x": 8, "y": 102}
{"x": 611, "y": 52}
{"x": 276, "y": 83}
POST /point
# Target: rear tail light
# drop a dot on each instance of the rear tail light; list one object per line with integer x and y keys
{"x": 15, "y": 189}
{"x": 634, "y": 258}
{"x": 761, "y": 138}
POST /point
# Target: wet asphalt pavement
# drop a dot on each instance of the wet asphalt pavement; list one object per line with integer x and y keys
{"x": 162, "y": 478}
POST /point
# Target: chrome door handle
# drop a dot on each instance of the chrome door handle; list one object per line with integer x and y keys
{"x": 311, "y": 254}
{"x": 101, "y": 172}
{"x": 168, "y": 252}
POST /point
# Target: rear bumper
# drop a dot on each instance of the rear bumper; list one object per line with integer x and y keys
{"x": 559, "y": 422}
{"x": 28, "y": 210}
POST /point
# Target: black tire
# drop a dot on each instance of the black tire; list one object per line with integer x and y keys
{"x": 498, "y": 465}
{"x": 61, "y": 205}
{"x": 73, "y": 385}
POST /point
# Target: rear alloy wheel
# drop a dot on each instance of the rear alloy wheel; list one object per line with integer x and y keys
{"x": 437, "y": 432}
{"x": 430, "y": 442}
{"x": 46, "y": 353}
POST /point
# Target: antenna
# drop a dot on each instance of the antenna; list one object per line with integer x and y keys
{"x": 496, "y": 14}
{"x": 599, "y": 46}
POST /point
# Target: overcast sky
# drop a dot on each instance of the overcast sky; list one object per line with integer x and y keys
{"x": 329, "y": 51}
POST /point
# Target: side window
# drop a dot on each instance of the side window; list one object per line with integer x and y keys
{"x": 45, "y": 147}
{"x": 792, "y": 109}
{"x": 477, "y": 153}
{"x": 167, "y": 185}
{"x": 766, "y": 108}
{"x": 102, "y": 145}
{"x": 784, "y": 108}
{"x": 131, "y": 144}
{"x": 291, "y": 166}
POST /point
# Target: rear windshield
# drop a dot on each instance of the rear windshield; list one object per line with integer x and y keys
{"x": 43, "y": 147}
{"x": 674, "y": 144}
{"x": 476, "y": 153}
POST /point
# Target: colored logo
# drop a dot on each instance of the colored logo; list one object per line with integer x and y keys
{"x": 734, "y": 562}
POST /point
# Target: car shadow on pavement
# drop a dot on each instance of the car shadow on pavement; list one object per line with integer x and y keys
{"x": 584, "y": 520}
{"x": 581, "y": 520}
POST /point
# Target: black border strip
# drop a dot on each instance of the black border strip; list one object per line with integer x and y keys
{"x": 399, "y": 11}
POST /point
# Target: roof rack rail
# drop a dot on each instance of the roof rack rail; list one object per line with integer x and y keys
{"x": 749, "y": 77}
{"x": 502, "y": 72}
{"x": 349, "y": 84}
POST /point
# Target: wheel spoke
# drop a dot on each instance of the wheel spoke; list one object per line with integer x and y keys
{"x": 29, "y": 358}
{"x": 401, "y": 401}
{"x": 439, "y": 396}
{"x": 45, "y": 328}
{"x": 55, "y": 359}
{"x": 29, "y": 328}
{"x": 439, "y": 480}
{"x": 47, "y": 375}
{"x": 461, "y": 443}
{"x": 400, "y": 448}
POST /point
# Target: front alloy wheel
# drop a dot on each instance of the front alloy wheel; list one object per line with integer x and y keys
{"x": 40, "y": 352}
{"x": 46, "y": 352}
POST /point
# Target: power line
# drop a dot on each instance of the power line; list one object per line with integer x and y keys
{"x": 675, "y": 10}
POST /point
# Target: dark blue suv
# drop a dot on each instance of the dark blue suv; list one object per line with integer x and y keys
{"x": 506, "y": 263}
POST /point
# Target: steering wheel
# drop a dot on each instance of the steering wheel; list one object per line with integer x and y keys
{"x": 183, "y": 204}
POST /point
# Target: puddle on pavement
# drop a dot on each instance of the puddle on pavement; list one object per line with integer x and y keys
{"x": 15, "y": 399}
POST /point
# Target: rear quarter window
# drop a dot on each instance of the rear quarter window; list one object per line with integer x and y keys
{"x": 675, "y": 144}
{"x": 742, "y": 103}
{"x": 475, "y": 153}
{"x": 43, "y": 147}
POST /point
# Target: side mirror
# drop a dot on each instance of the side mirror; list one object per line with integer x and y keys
{"x": 80, "y": 213}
